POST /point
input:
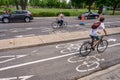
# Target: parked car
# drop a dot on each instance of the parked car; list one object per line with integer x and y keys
{"x": 17, "y": 15}
{"x": 89, "y": 15}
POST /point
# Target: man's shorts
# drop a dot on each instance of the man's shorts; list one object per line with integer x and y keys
{"x": 94, "y": 37}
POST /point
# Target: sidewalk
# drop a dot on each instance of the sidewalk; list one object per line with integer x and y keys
{"x": 48, "y": 39}
{"x": 112, "y": 73}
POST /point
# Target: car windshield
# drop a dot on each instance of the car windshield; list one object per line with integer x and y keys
{"x": 94, "y": 13}
{"x": 86, "y": 13}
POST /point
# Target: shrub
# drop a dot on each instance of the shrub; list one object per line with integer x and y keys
{"x": 66, "y": 13}
{"x": 46, "y": 14}
{"x": 1, "y": 12}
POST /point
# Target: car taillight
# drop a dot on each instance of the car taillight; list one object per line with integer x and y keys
{"x": 30, "y": 14}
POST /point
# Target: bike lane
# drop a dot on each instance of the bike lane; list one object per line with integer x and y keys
{"x": 64, "y": 65}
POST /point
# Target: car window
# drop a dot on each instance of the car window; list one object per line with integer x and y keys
{"x": 24, "y": 11}
{"x": 18, "y": 12}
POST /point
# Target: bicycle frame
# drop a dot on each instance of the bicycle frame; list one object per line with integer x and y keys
{"x": 92, "y": 43}
{"x": 88, "y": 46}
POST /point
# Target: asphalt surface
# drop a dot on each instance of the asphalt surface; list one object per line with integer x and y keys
{"x": 42, "y": 26}
{"x": 56, "y": 62}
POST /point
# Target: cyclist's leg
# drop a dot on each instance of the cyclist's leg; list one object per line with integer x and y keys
{"x": 96, "y": 40}
{"x": 61, "y": 22}
{"x": 92, "y": 38}
{"x": 58, "y": 21}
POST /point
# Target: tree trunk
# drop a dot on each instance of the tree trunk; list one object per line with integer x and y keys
{"x": 16, "y": 4}
{"x": 89, "y": 8}
{"x": 114, "y": 7}
{"x": 100, "y": 10}
{"x": 23, "y": 4}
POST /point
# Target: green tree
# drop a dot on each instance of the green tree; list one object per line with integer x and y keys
{"x": 16, "y": 4}
{"x": 77, "y": 3}
{"x": 23, "y": 4}
{"x": 100, "y": 4}
{"x": 89, "y": 3}
{"x": 114, "y": 4}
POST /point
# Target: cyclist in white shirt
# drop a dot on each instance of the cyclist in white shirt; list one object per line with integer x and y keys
{"x": 94, "y": 32}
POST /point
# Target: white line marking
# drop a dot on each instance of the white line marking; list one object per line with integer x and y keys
{"x": 47, "y": 59}
{"x": 18, "y": 78}
{"x": 111, "y": 40}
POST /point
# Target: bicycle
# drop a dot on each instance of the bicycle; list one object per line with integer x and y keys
{"x": 87, "y": 47}
{"x": 55, "y": 24}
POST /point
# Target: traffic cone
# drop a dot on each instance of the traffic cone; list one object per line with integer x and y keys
{"x": 82, "y": 20}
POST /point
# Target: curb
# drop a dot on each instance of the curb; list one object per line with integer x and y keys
{"x": 48, "y": 39}
{"x": 102, "y": 72}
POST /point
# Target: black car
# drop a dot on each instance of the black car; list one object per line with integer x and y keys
{"x": 89, "y": 15}
{"x": 17, "y": 15}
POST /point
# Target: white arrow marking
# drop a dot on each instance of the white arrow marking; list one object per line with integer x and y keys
{"x": 12, "y": 57}
{"x": 21, "y": 78}
{"x": 111, "y": 40}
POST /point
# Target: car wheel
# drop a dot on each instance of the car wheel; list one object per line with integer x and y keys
{"x": 5, "y": 20}
{"x": 96, "y": 17}
{"x": 27, "y": 19}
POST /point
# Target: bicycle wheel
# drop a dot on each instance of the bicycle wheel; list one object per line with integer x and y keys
{"x": 102, "y": 46}
{"x": 85, "y": 49}
{"x": 54, "y": 25}
{"x": 64, "y": 24}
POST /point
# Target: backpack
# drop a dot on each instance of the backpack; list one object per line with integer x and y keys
{"x": 95, "y": 25}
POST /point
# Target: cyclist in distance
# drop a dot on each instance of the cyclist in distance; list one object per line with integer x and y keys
{"x": 60, "y": 18}
{"x": 94, "y": 31}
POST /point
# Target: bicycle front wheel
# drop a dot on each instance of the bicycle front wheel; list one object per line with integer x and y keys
{"x": 54, "y": 25}
{"x": 64, "y": 24}
{"x": 85, "y": 49}
{"x": 102, "y": 46}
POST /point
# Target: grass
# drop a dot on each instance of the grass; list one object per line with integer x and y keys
{"x": 45, "y": 12}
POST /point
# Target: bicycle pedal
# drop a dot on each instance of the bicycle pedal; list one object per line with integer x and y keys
{"x": 93, "y": 49}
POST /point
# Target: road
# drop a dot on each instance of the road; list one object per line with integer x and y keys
{"x": 56, "y": 61}
{"x": 42, "y": 26}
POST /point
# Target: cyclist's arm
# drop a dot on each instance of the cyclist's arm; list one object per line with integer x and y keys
{"x": 105, "y": 31}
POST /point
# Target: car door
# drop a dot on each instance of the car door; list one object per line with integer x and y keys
{"x": 90, "y": 15}
{"x": 19, "y": 15}
{"x": 13, "y": 15}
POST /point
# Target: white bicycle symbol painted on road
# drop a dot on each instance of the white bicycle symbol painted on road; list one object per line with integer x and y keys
{"x": 88, "y": 63}
{"x": 68, "y": 48}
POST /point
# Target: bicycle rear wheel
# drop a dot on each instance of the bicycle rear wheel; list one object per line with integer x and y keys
{"x": 102, "y": 46}
{"x": 85, "y": 49}
{"x": 54, "y": 25}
